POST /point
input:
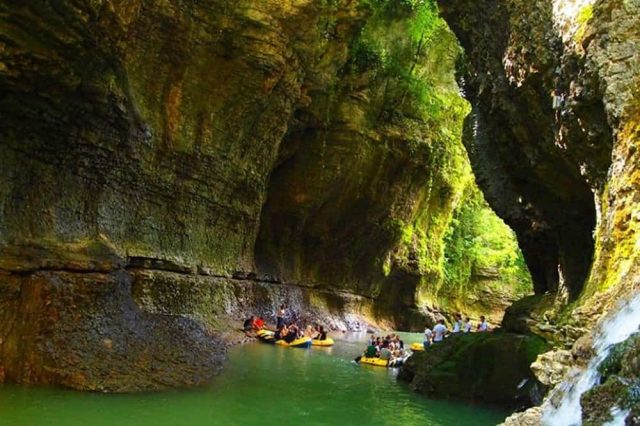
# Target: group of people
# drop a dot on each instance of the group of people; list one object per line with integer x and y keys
{"x": 285, "y": 331}
{"x": 387, "y": 348}
{"x": 460, "y": 325}
{"x": 290, "y": 332}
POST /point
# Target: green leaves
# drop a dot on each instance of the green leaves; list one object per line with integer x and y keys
{"x": 409, "y": 50}
{"x": 478, "y": 239}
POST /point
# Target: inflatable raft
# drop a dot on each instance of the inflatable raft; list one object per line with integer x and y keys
{"x": 374, "y": 361}
{"x": 326, "y": 342}
{"x": 417, "y": 346}
{"x": 303, "y": 342}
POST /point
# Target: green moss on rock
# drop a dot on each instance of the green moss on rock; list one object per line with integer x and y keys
{"x": 619, "y": 384}
{"x": 489, "y": 367}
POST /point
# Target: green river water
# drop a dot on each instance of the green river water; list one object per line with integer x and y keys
{"x": 260, "y": 385}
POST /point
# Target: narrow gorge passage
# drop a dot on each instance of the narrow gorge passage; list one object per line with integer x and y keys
{"x": 168, "y": 169}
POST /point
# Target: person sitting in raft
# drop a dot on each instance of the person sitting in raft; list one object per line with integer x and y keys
{"x": 394, "y": 347}
{"x": 292, "y": 333}
{"x": 483, "y": 326}
{"x": 386, "y": 341}
{"x": 248, "y": 325}
{"x": 466, "y": 326}
{"x": 428, "y": 335}
{"x": 322, "y": 335}
{"x": 385, "y": 353}
{"x": 310, "y": 331}
{"x": 439, "y": 331}
{"x": 281, "y": 332}
{"x": 371, "y": 351}
{"x": 258, "y": 323}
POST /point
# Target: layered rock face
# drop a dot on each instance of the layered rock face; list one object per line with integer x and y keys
{"x": 169, "y": 167}
{"x": 538, "y": 164}
{"x": 553, "y": 139}
{"x": 146, "y": 130}
{"x": 553, "y": 86}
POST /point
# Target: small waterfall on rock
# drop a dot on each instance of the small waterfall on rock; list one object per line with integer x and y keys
{"x": 614, "y": 330}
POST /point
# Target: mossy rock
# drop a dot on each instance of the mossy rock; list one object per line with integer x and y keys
{"x": 620, "y": 384}
{"x": 521, "y": 314}
{"x": 488, "y": 367}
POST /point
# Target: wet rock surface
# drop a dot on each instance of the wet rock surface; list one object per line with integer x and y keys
{"x": 553, "y": 139}
{"x": 84, "y": 331}
{"x": 145, "y": 150}
{"x": 168, "y": 168}
{"x": 529, "y": 417}
{"x": 529, "y": 170}
{"x": 550, "y": 368}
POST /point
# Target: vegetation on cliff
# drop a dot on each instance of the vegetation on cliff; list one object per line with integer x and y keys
{"x": 371, "y": 170}
{"x": 479, "y": 242}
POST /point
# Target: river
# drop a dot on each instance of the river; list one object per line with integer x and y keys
{"x": 260, "y": 385}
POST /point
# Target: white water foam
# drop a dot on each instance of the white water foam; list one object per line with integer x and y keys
{"x": 565, "y": 15}
{"x": 619, "y": 417}
{"x": 614, "y": 330}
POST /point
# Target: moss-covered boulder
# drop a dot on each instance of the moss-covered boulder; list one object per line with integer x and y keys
{"x": 487, "y": 367}
{"x": 619, "y": 386}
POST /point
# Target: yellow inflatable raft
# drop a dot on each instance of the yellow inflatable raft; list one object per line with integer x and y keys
{"x": 326, "y": 342}
{"x": 374, "y": 361}
{"x": 264, "y": 333}
{"x": 417, "y": 346}
{"x": 303, "y": 342}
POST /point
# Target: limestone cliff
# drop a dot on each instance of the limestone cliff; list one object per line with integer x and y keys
{"x": 553, "y": 130}
{"x": 553, "y": 138}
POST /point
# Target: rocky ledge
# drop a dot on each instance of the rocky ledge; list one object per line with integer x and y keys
{"x": 87, "y": 319}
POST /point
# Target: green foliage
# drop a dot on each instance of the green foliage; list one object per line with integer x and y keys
{"x": 478, "y": 240}
{"x": 408, "y": 56}
{"x": 410, "y": 50}
{"x": 585, "y": 14}
{"x": 583, "y": 18}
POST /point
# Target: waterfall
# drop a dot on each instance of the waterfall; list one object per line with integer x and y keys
{"x": 614, "y": 329}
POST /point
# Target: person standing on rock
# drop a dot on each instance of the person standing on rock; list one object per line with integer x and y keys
{"x": 457, "y": 325}
{"x": 483, "y": 326}
{"x": 466, "y": 327}
{"x": 439, "y": 331}
{"x": 428, "y": 335}
{"x": 280, "y": 316}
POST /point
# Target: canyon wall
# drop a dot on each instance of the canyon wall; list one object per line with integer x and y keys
{"x": 552, "y": 133}
{"x": 553, "y": 138}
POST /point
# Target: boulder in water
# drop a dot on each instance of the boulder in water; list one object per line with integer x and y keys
{"x": 488, "y": 367}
